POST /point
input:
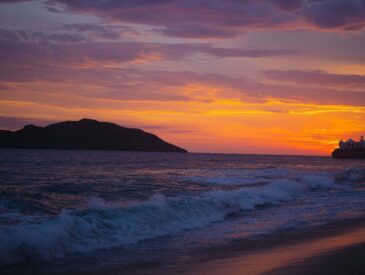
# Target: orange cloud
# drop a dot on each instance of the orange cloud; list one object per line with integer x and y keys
{"x": 217, "y": 125}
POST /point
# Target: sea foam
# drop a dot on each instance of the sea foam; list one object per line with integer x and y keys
{"x": 103, "y": 225}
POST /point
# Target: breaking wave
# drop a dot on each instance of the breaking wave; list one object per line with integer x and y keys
{"x": 102, "y": 225}
{"x": 351, "y": 175}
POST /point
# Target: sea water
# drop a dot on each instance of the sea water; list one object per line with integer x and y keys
{"x": 73, "y": 210}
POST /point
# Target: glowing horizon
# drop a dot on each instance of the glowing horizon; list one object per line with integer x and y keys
{"x": 271, "y": 76}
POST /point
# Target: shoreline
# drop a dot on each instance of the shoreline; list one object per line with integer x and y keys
{"x": 285, "y": 252}
{"x": 348, "y": 260}
{"x": 324, "y": 249}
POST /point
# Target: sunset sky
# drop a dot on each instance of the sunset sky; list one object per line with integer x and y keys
{"x": 233, "y": 76}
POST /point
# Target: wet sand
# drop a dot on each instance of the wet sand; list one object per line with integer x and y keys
{"x": 348, "y": 260}
{"x": 281, "y": 260}
{"x": 337, "y": 248}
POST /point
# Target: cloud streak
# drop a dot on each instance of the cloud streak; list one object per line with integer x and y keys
{"x": 222, "y": 19}
{"x": 183, "y": 86}
{"x": 36, "y": 47}
{"x": 318, "y": 77}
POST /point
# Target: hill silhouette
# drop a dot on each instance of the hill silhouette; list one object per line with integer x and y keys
{"x": 85, "y": 134}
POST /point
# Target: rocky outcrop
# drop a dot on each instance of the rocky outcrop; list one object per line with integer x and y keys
{"x": 85, "y": 134}
{"x": 349, "y": 153}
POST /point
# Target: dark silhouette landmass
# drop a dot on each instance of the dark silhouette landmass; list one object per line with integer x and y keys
{"x": 349, "y": 153}
{"x": 85, "y": 134}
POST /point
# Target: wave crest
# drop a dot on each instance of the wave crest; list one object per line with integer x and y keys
{"x": 103, "y": 225}
{"x": 351, "y": 175}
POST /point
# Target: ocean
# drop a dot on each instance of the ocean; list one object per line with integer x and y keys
{"x": 65, "y": 211}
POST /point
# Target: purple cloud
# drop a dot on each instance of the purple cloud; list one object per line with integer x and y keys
{"x": 95, "y": 31}
{"x": 288, "y": 5}
{"x": 36, "y": 36}
{"x": 229, "y": 52}
{"x": 187, "y": 18}
{"x": 318, "y": 77}
{"x": 222, "y": 18}
{"x": 12, "y": 1}
{"x": 26, "y": 47}
{"x": 128, "y": 84}
{"x": 67, "y": 33}
{"x": 331, "y": 14}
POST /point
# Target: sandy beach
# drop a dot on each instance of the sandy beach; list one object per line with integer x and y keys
{"x": 336, "y": 248}
{"x": 348, "y": 260}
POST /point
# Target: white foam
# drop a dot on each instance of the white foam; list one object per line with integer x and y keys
{"x": 320, "y": 181}
{"x": 103, "y": 225}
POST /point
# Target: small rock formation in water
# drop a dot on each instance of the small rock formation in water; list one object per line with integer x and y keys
{"x": 350, "y": 149}
{"x": 85, "y": 134}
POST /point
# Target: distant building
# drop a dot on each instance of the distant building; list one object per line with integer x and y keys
{"x": 351, "y": 144}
